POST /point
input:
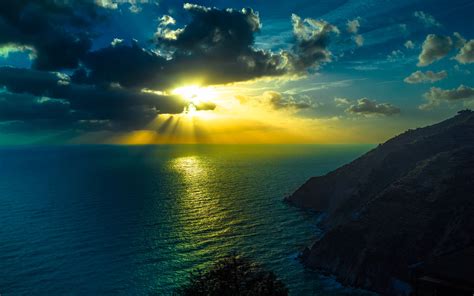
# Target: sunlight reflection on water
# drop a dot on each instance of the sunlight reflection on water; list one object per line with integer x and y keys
{"x": 200, "y": 217}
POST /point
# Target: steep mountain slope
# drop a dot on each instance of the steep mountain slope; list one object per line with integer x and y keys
{"x": 404, "y": 202}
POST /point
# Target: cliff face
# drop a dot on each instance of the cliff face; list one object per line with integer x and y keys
{"x": 402, "y": 203}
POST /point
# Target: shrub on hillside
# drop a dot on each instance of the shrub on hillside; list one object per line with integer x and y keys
{"x": 234, "y": 276}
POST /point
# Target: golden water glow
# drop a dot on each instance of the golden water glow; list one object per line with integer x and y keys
{"x": 201, "y": 214}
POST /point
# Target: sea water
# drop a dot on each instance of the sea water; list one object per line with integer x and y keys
{"x": 136, "y": 220}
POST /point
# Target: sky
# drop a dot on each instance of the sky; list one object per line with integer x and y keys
{"x": 168, "y": 71}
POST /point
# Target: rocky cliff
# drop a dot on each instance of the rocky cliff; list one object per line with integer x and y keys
{"x": 400, "y": 204}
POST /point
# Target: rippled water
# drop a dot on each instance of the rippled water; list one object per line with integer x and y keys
{"x": 121, "y": 220}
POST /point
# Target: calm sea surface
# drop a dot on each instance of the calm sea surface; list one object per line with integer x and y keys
{"x": 119, "y": 220}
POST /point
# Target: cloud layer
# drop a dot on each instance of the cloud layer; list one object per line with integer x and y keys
{"x": 56, "y": 103}
{"x": 125, "y": 85}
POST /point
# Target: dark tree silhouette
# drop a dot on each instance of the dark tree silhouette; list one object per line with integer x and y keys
{"x": 233, "y": 276}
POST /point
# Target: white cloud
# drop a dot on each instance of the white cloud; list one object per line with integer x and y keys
{"x": 166, "y": 33}
{"x": 466, "y": 53}
{"x": 353, "y": 26}
{"x": 424, "y": 77}
{"x": 409, "y": 44}
{"x": 464, "y": 71}
{"x": 167, "y": 20}
{"x": 427, "y": 19}
{"x": 434, "y": 48}
{"x": 308, "y": 28}
{"x": 110, "y": 4}
{"x": 359, "y": 40}
{"x": 369, "y": 107}
{"x": 341, "y": 102}
{"x": 134, "y": 5}
{"x": 458, "y": 40}
{"x": 435, "y": 96}
{"x": 7, "y": 49}
{"x": 116, "y": 41}
{"x": 395, "y": 55}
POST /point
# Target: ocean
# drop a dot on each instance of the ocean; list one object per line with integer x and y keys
{"x": 136, "y": 220}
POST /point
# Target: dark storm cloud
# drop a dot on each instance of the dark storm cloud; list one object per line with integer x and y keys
{"x": 25, "y": 112}
{"x": 57, "y": 31}
{"x": 215, "y": 47}
{"x": 27, "y": 107}
{"x": 213, "y": 31}
{"x": 130, "y": 66}
{"x": 218, "y": 45}
{"x": 113, "y": 107}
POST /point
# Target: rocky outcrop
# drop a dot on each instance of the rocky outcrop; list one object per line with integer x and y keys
{"x": 402, "y": 203}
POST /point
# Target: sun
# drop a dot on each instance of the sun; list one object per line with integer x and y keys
{"x": 196, "y": 97}
{"x": 195, "y": 94}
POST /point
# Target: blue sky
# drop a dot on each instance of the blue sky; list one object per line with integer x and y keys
{"x": 380, "y": 68}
